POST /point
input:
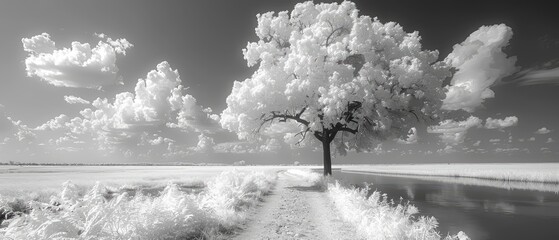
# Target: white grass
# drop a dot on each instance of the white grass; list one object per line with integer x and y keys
{"x": 172, "y": 215}
{"x": 522, "y": 172}
{"x": 377, "y": 217}
{"x": 43, "y": 178}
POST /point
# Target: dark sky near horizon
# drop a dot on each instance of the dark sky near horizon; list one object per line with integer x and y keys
{"x": 203, "y": 40}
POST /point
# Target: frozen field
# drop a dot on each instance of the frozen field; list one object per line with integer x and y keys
{"x": 22, "y": 180}
{"x": 521, "y": 172}
{"x": 100, "y": 212}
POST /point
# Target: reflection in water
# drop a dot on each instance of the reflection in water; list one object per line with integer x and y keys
{"x": 500, "y": 207}
{"x": 479, "y": 208}
{"x": 409, "y": 192}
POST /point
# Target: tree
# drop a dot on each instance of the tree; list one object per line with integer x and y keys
{"x": 345, "y": 79}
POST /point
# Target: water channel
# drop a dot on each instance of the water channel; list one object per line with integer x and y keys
{"x": 482, "y": 212}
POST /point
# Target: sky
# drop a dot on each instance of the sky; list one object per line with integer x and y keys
{"x": 191, "y": 51}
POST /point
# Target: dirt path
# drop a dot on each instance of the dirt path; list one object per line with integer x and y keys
{"x": 295, "y": 210}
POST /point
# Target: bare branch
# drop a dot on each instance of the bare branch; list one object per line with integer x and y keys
{"x": 415, "y": 114}
{"x": 282, "y": 117}
{"x": 340, "y": 29}
{"x": 303, "y": 135}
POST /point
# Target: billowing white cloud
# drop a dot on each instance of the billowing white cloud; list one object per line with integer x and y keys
{"x": 134, "y": 124}
{"x": 479, "y": 62}
{"x": 205, "y": 144}
{"x": 550, "y": 140}
{"x": 454, "y": 132}
{"x": 23, "y": 133}
{"x": 411, "y": 137}
{"x": 80, "y": 66}
{"x": 447, "y": 149}
{"x": 55, "y": 123}
{"x": 491, "y": 123}
{"x": 543, "y": 130}
{"x": 476, "y": 144}
{"x": 158, "y": 102}
{"x": 120, "y": 45}
{"x": 75, "y": 100}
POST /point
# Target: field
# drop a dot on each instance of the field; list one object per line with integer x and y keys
{"x": 213, "y": 202}
{"x": 516, "y": 172}
{"x": 94, "y": 210}
{"x": 86, "y": 209}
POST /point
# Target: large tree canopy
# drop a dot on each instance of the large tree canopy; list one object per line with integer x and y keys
{"x": 324, "y": 70}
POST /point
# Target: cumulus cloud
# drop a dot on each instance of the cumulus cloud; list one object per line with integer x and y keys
{"x": 79, "y": 66}
{"x": 454, "y": 132}
{"x": 550, "y": 140}
{"x": 531, "y": 139}
{"x": 447, "y": 149}
{"x": 120, "y": 45}
{"x": 205, "y": 144}
{"x": 132, "y": 124}
{"x": 23, "y": 133}
{"x": 491, "y": 123}
{"x": 56, "y": 123}
{"x": 543, "y": 131}
{"x": 158, "y": 102}
{"x": 479, "y": 62}
{"x": 411, "y": 138}
{"x": 75, "y": 100}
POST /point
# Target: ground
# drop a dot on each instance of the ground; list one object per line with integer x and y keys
{"x": 295, "y": 210}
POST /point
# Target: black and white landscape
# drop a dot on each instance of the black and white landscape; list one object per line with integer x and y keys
{"x": 278, "y": 120}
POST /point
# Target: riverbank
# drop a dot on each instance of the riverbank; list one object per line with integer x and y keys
{"x": 305, "y": 206}
{"x": 517, "y": 172}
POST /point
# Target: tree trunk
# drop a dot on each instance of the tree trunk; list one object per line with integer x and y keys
{"x": 327, "y": 157}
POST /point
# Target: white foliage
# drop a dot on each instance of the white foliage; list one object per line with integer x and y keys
{"x": 375, "y": 216}
{"x": 171, "y": 215}
{"x": 324, "y": 57}
{"x": 328, "y": 68}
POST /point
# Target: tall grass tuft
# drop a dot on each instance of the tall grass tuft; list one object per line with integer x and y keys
{"x": 377, "y": 217}
{"x": 173, "y": 214}
{"x": 374, "y": 216}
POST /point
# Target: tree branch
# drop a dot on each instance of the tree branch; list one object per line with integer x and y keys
{"x": 283, "y": 117}
{"x": 303, "y": 135}
{"x": 341, "y": 29}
